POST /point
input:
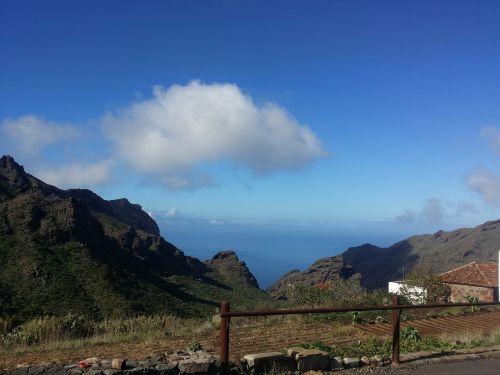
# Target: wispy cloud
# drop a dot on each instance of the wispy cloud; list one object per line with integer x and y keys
{"x": 434, "y": 210}
{"x": 29, "y": 134}
{"x": 77, "y": 175}
{"x": 486, "y": 184}
{"x": 184, "y": 127}
{"x": 492, "y": 134}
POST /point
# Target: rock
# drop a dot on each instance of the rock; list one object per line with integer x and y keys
{"x": 118, "y": 364}
{"x": 351, "y": 362}
{"x": 194, "y": 366}
{"x": 111, "y": 371}
{"x": 310, "y": 359}
{"x": 336, "y": 363}
{"x": 106, "y": 363}
{"x": 55, "y": 369}
{"x": 166, "y": 369}
{"x": 321, "y": 273}
{"x": 95, "y": 372}
{"x": 75, "y": 371}
{"x": 73, "y": 365}
{"x": 227, "y": 262}
{"x": 141, "y": 371}
{"x": 365, "y": 361}
{"x": 376, "y": 360}
{"x": 36, "y": 370}
{"x": 267, "y": 362}
{"x": 92, "y": 360}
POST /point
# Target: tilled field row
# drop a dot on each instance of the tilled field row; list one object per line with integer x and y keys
{"x": 477, "y": 322}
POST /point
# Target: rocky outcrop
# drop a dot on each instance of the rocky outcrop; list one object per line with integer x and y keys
{"x": 120, "y": 209}
{"x": 227, "y": 263}
{"x": 325, "y": 270}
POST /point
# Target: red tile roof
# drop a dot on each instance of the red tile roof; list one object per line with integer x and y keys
{"x": 474, "y": 274}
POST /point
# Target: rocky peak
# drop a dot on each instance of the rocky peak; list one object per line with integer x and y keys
{"x": 13, "y": 178}
{"x": 227, "y": 262}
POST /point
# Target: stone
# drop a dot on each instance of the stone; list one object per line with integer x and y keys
{"x": 310, "y": 359}
{"x": 118, "y": 364}
{"x": 106, "y": 363}
{"x": 36, "y": 370}
{"x": 111, "y": 371}
{"x": 376, "y": 360}
{"x": 365, "y": 361}
{"x": 75, "y": 371}
{"x": 55, "y": 369}
{"x": 73, "y": 365}
{"x": 166, "y": 369}
{"x": 336, "y": 363}
{"x": 141, "y": 371}
{"x": 95, "y": 372}
{"x": 351, "y": 362}
{"x": 92, "y": 360}
{"x": 194, "y": 366}
{"x": 267, "y": 362}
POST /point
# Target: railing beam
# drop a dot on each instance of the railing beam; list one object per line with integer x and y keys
{"x": 224, "y": 336}
{"x": 396, "y": 327}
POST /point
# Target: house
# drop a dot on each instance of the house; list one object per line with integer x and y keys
{"x": 474, "y": 279}
{"x": 415, "y": 294}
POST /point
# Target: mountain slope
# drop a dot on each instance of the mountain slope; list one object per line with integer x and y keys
{"x": 441, "y": 251}
{"x": 71, "y": 250}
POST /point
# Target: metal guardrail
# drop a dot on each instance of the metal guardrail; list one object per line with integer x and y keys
{"x": 226, "y": 315}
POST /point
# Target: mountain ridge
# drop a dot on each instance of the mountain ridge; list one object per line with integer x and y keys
{"x": 72, "y": 251}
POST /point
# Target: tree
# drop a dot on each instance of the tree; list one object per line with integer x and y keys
{"x": 422, "y": 285}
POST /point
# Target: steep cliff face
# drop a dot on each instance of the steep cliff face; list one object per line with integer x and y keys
{"x": 227, "y": 263}
{"x": 71, "y": 250}
{"x": 325, "y": 270}
{"x": 441, "y": 251}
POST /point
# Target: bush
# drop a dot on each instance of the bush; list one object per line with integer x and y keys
{"x": 339, "y": 293}
{"x": 424, "y": 286}
{"x": 194, "y": 346}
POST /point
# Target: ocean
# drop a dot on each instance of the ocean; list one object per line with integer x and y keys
{"x": 269, "y": 251}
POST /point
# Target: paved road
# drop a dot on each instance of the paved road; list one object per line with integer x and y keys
{"x": 476, "y": 367}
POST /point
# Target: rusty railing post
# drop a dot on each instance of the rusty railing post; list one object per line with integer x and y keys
{"x": 224, "y": 337}
{"x": 396, "y": 316}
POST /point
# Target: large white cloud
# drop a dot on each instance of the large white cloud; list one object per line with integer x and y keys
{"x": 29, "y": 134}
{"x": 183, "y": 127}
{"x": 77, "y": 175}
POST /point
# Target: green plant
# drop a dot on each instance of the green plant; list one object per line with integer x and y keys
{"x": 422, "y": 285}
{"x": 316, "y": 345}
{"x": 194, "y": 346}
{"x": 356, "y": 318}
{"x": 410, "y": 333}
{"x": 472, "y": 299}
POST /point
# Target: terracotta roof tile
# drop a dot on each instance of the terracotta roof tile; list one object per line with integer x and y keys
{"x": 474, "y": 274}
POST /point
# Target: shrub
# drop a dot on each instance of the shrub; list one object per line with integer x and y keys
{"x": 410, "y": 333}
{"x": 424, "y": 286}
{"x": 194, "y": 346}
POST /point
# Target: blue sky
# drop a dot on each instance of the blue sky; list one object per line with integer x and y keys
{"x": 345, "y": 114}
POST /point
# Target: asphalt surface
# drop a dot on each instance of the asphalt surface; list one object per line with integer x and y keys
{"x": 476, "y": 367}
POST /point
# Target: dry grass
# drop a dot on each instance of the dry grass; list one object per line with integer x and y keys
{"x": 474, "y": 338}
